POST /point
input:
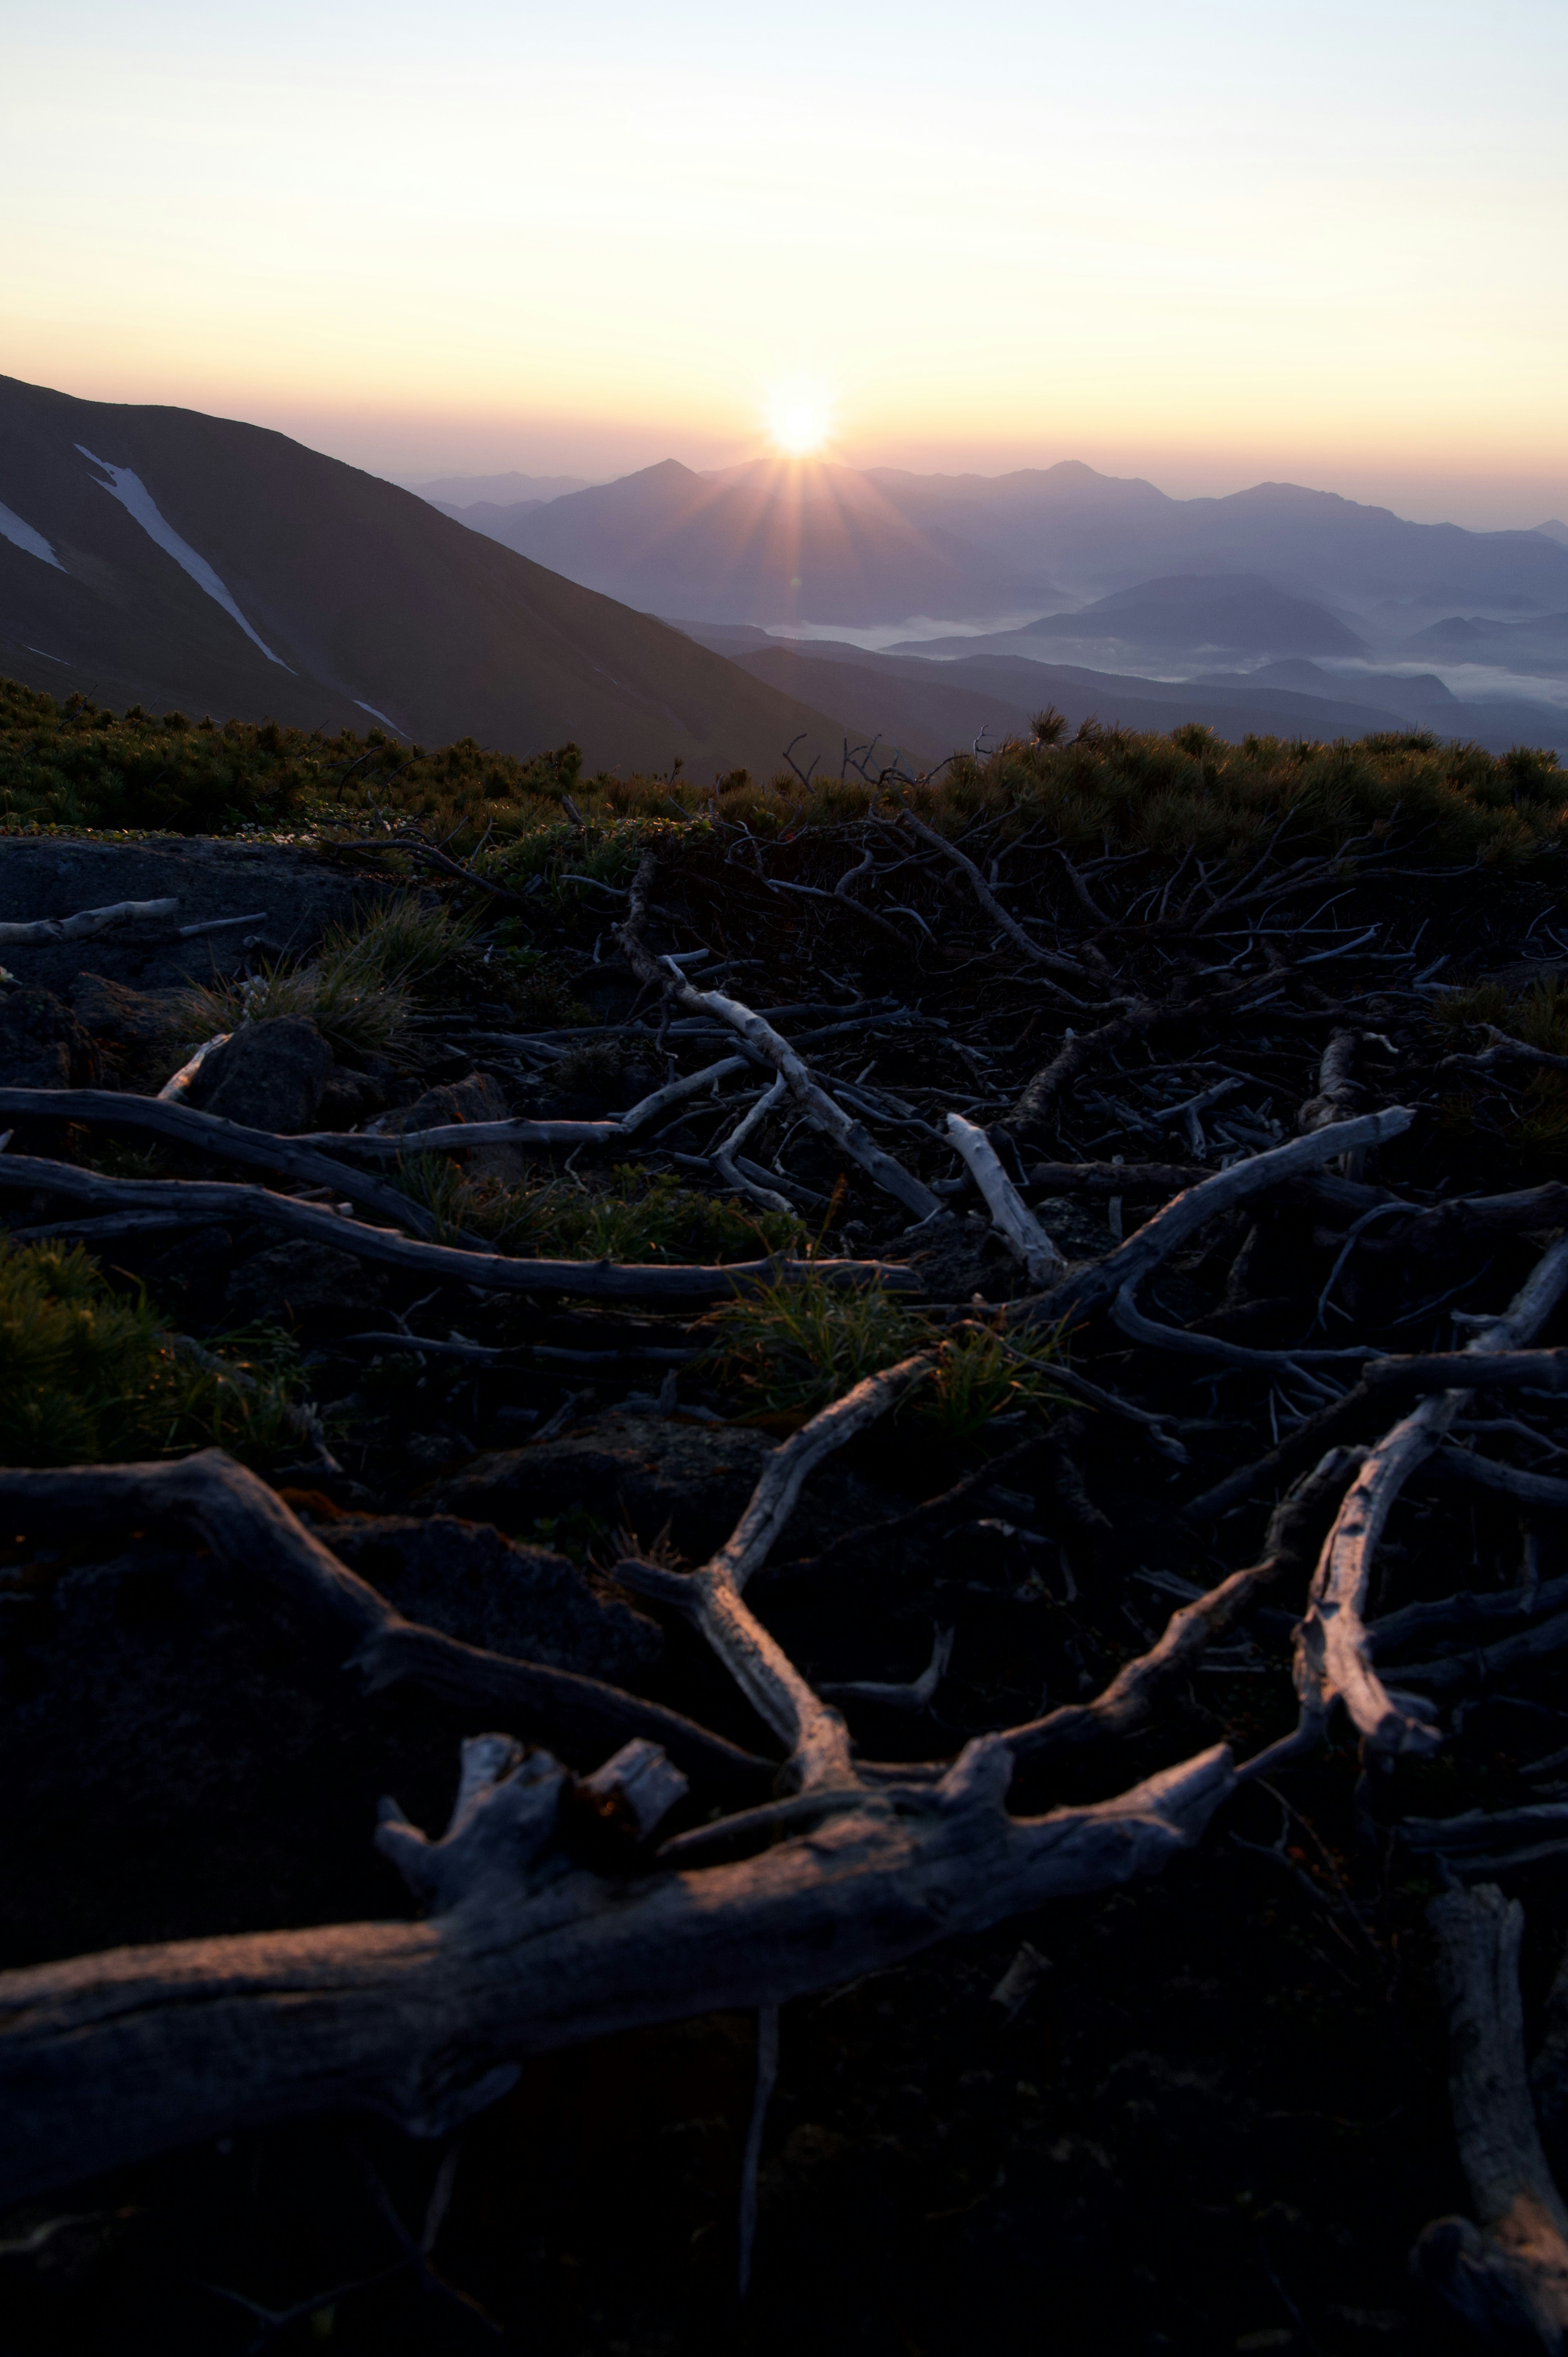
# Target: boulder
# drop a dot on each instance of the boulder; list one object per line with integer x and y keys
{"x": 477, "y": 1098}
{"x": 295, "y": 1281}
{"x": 112, "y": 1010}
{"x": 42, "y": 1045}
{"x": 467, "y": 1579}
{"x": 645, "y": 1471}
{"x": 269, "y": 1075}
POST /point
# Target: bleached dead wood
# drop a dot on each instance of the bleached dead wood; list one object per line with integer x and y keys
{"x": 226, "y": 1141}
{"x": 105, "y": 2060}
{"x": 108, "y": 2059}
{"x": 724, "y": 1154}
{"x": 1127, "y": 1701}
{"x": 851, "y": 1138}
{"x": 1338, "y": 1093}
{"x": 1052, "y": 960}
{"x": 1095, "y": 1285}
{"x": 1510, "y": 2280}
{"x": 1333, "y": 1658}
{"x": 713, "y": 1597}
{"x": 1506, "y": 1050}
{"x": 205, "y": 1202}
{"x": 84, "y": 924}
{"x": 1016, "y": 1225}
{"x": 178, "y": 1086}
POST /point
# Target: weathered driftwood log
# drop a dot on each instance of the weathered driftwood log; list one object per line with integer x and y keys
{"x": 226, "y": 1141}
{"x": 1509, "y": 2279}
{"x": 1094, "y": 1286}
{"x": 1016, "y": 1223}
{"x": 84, "y": 925}
{"x": 1333, "y": 1656}
{"x": 108, "y": 2059}
{"x": 203, "y": 1202}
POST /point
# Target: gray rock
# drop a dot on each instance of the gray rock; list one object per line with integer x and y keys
{"x": 467, "y": 1579}
{"x": 645, "y": 1471}
{"x": 112, "y": 1010}
{"x": 42, "y": 1045}
{"x": 268, "y": 1076}
{"x": 477, "y": 1098}
{"x": 299, "y": 1280}
{"x": 1080, "y": 1230}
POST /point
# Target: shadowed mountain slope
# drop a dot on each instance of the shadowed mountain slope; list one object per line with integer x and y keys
{"x": 162, "y": 556}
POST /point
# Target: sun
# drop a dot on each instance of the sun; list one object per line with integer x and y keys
{"x": 799, "y": 423}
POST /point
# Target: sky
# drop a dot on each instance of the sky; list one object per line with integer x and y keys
{"x": 1210, "y": 243}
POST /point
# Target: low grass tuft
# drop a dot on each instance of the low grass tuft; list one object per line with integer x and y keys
{"x": 90, "y": 1376}
{"x": 791, "y": 1348}
{"x": 634, "y": 1215}
{"x": 1538, "y": 1015}
{"x": 358, "y": 989}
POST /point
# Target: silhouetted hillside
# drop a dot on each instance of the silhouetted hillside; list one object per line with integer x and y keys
{"x": 164, "y": 558}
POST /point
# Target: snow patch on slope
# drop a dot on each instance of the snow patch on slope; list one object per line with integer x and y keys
{"x": 378, "y": 715}
{"x": 137, "y": 501}
{"x": 22, "y": 535}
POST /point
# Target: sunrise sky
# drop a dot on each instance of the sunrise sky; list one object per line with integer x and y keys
{"x": 1206, "y": 242}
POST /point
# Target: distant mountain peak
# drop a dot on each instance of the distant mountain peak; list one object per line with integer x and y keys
{"x": 1554, "y": 529}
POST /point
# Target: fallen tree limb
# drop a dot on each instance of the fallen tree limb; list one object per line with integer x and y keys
{"x": 1383, "y": 1381}
{"x": 1129, "y": 1698}
{"x": 1510, "y": 2280}
{"x": 108, "y": 2059}
{"x": 1052, "y": 960}
{"x": 205, "y": 1203}
{"x": 712, "y": 1596}
{"x": 84, "y": 925}
{"x": 226, "y": 1141}
{"x": 1016, "y": 1223}
{"x": 1081, "y": 1049}
{"x": 851, "y": 1138}
{"x": 1333, "y": 1656}
{"x": 1506, "y": 1050}
{"x": 1095, "y": 1287}
{"x": 258, "y": 1541}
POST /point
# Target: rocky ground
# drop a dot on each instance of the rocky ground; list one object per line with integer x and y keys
{"x": 1207, "y": 2111}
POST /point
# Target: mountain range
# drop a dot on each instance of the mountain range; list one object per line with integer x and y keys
{"x": 160, "y": 556}
{"x": 163, "y": 557}
{"x": 775, "y": 544}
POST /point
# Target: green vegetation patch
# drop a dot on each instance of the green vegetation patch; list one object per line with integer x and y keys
{"x": 1539, "y": 1016}
{"x": 75, "y": 765}
{"x": 791, "y": 1348}
{"x": 634, "y": 1215}
{"x": 90, "y": 1376}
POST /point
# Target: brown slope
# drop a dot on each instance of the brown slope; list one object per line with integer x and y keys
{"x": 369, "y": 596}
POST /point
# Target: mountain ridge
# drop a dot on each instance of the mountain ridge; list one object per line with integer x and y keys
{"x": 338, "y": 596}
